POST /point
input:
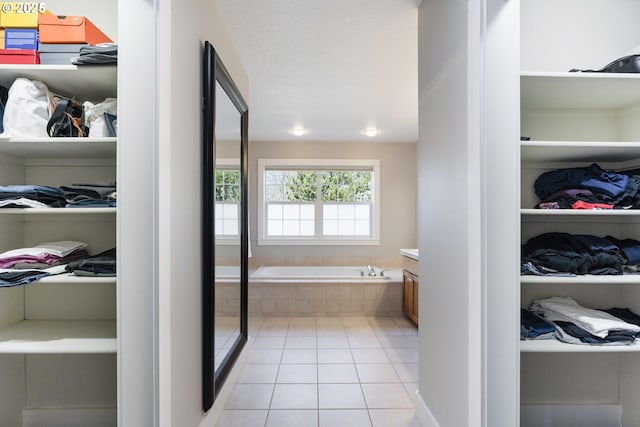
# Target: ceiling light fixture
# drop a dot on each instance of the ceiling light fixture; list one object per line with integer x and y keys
{"x": 371, "y": 132}
{"x": 298, "y": 131}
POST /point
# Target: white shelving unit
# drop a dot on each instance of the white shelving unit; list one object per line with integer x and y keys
{"x": 65, "y": 323}
{"x": 573, "y": 120}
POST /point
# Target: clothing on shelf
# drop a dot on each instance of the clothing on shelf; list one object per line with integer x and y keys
{"x": 82, "y": 195}
{"x": 50, "y": 253}
{"x": 597, "y": 322}
{"x": 9, "y": 278}
{"x": 571, "y": 333}
{"x": 534, "y": 327}
{"x": 49, "y": 196}
{"x": 556, "y": 252}
{"x": 99, "y": 265}
{"x": 587, "y": 188}
{"x": 100, "y": 54}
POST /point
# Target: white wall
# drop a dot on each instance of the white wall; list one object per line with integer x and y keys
{"x": 449, "y": 231}
{"x": 583, "y": 34}
{"x": 469, "y": 247}
{"x": 397, "y": 195}
{"x": 184, "y": 28}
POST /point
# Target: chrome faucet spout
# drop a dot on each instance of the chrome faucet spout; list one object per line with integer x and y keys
{"x": 372, "y": 272}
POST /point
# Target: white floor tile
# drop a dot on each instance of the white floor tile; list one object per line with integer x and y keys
{"x": 258, "y": 373}
{"x": 340, "y": 396}
{"x": 264, "y": 355}
{"x": 398, "y": 341}
{"x": 408, "y": 372}
{"x": 298, "y": 374}
{"x": 377, "y": 373}
{"x": 295, "y": 396}
{"x": 333, "y": 341}
{"x": 337, "y": 373}
{"x": 250, "y": 396}
{"x": 292, "y": 418}
{"x": 268, "y": 342}
{"x": 344, "y": 418}
{"x": 297, "y": 356}
{"x": 393, "y": 418}
{"x": 387, "y": 396}
{"x": 402, "y": 355}
{"x": 364, "y": 341}
{"x": 369, "y": 355}
{"x": 334, "y": 355}
{"x": 300, "y": 342}
{"x": 242, "y": 418}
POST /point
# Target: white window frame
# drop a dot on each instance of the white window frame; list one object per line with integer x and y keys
{"x": 372, "y": 165}
{"x": 224, "y": 239}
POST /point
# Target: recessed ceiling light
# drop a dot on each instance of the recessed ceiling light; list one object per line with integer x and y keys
{"x": 371, "y": 132}
{"x": 298, "y": 131}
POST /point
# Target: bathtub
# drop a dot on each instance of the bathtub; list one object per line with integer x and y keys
{"x": 324, "y": 291}
{"x": 319, "y": 274}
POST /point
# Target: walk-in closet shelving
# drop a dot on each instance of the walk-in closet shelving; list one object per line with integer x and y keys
{"x": 573, "y": 120}
{"x": 59, "y": 333}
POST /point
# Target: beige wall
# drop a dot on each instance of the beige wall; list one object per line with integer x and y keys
{"x": 397, "y": 195}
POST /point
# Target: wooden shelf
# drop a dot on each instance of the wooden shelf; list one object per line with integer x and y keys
{"x": 59, "y": 337}
{"x": 605, "y": 91}
{"x": 85, "y": 82}
{"x": 58, "y": 148}
{"x": 584, "y": 279}
{"x": 75, "y": 280}
{"x": 579, "y": 151}
{"x": 554, "y": 346}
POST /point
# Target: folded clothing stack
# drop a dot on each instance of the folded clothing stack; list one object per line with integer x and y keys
{"x": 576, "y": 324}
{"x": 534, "y": 327}
{"x": 588, "y": 187}
{"x": 100, "y": 54}
{"x": 31, "y": 196}
{"x": 43, "y": 255}
{"x": 99, "y": 265}
{"x": 557, "y": 253}
{"x": 85, "y": 195}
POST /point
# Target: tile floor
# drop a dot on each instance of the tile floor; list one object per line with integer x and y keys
{"x": 327, "y": 372}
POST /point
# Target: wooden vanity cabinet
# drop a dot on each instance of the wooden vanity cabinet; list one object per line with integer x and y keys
{"x": 410, "y": 289}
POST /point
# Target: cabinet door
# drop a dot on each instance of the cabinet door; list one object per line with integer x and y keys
{"x": 409, "y": 292}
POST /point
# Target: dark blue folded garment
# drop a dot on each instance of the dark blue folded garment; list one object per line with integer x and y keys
{"x": 534, "y": 324}
{"x": 15, "y": 278}
{"x": 50, "y": 196}
{"x": 624, "y": 314}
{"x": 592, "y": 177}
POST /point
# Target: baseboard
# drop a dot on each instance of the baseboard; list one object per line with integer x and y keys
{"x": 570, "y": 415}
{"x": 70, "y": 417}
{"x": 423, "y": 413}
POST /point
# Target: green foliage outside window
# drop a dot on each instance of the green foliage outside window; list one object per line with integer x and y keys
{"x": 301, "y": 186}
{"x": 227, "y": 185}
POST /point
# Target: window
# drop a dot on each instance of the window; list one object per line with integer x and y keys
{"x": 227, "y": 207}
{"x": 318, "y": 201}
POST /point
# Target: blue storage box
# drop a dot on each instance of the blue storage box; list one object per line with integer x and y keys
{"x": 21, "y": 38}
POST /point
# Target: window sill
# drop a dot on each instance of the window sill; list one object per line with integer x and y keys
{"x": 317, "y": 242}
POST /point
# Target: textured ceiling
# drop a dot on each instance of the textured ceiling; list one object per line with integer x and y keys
{"x": 334, "y": 67}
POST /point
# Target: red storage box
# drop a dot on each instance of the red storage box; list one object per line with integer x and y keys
{"x": 19, "y": 56}
{"x": 69, "y": 29}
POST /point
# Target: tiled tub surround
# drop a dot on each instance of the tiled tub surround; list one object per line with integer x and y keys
{"x": 323, "y": 293}
{"x": 324, "y": 296}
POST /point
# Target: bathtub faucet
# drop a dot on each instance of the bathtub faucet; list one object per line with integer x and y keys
{"x": 372, "y": 272}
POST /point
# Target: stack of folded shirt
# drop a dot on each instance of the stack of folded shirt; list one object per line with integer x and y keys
{"x": 83, "y": 195}
{"x": 31, "y": 196}
{"x": 43, "y": 255}
{"x": 581, "y": 325}
{"x": 99, "y": 265}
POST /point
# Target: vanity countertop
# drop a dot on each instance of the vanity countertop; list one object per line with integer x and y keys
{"x": 411, "y": 253}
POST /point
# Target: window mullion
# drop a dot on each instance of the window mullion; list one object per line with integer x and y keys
{"x": 318, "y": 205}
